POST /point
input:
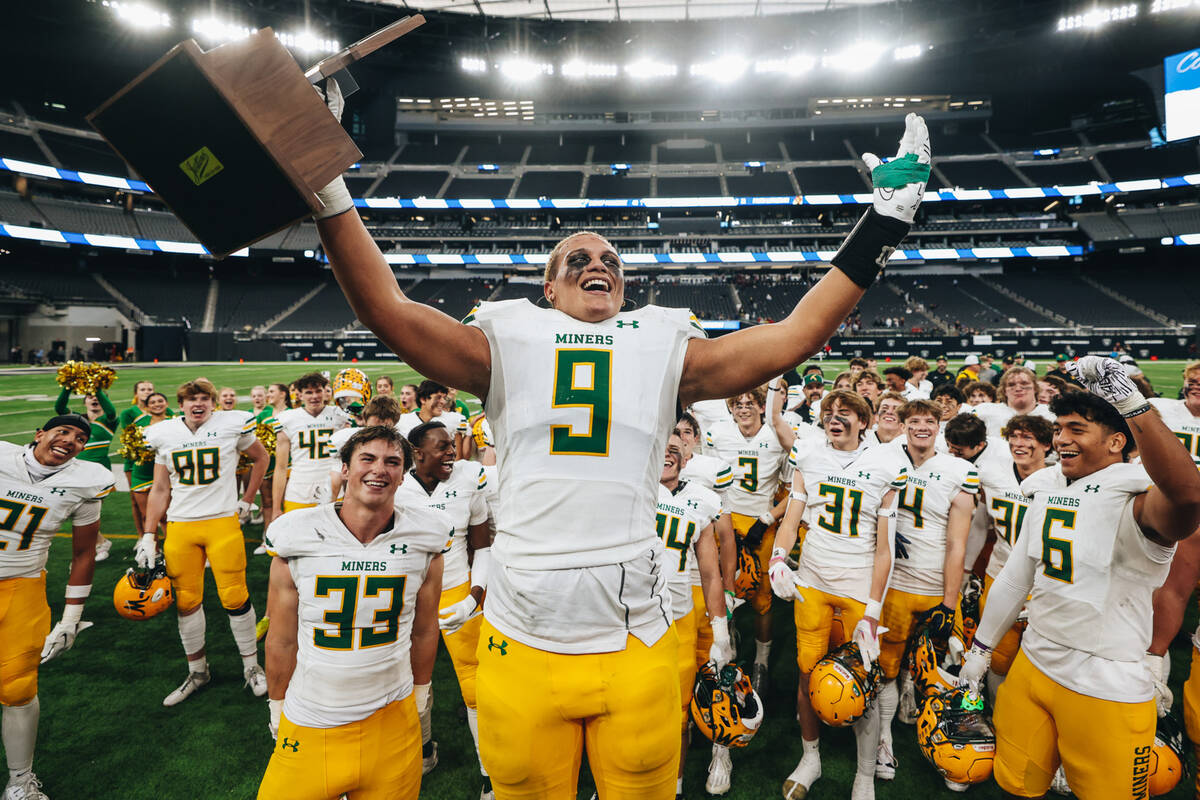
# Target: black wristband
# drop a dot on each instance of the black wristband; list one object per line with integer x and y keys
{"x": 865, "y": 252}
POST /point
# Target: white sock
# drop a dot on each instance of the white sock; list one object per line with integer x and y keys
{"x": 679, "y": 786}
{"x": 423, "y": 694}
{"x": 198, "y": 664}
{"x": 244, "y": 635}
{"x": 473, "y": 724}
{"x": 889, "y": 699}
{"x": 866, "y": 740}
{"x": 812, "y": 748}
{"x": 762, "y": 651}
{"x": 191, "y": 631}
{"x": 19, "y": 734}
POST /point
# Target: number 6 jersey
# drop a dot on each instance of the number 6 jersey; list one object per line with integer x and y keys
{"x": 202, "y": 465}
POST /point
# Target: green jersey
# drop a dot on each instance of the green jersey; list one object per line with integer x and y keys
{"x": 141, "y": 476}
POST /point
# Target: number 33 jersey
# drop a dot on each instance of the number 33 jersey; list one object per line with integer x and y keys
{"x": 581, "y": 412}
{"x": 357, "y": 603}
{"x": 202, "y": 465}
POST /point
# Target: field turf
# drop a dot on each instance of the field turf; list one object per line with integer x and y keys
{"x": 105, "y": 734}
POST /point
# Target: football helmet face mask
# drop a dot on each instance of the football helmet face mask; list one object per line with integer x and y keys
{"x": 1167, "y": 761}
{"x": 970, "y": 609}
{"x": 144, "y": 593}
{"x": 928, "y": 678}
{"x": 725, "y": 706}
{"x": 956, "y": 736}
{"x": 841, "y": 688}
{"x": 749, "y": 572}
{"x": 351, "y": 387}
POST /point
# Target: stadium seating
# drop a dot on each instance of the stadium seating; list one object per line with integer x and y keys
{"x": 831, "y": 180}
{"x": 766, "y": 184}
{"x": 326, "y": 311}
{"x": 550, "y": 184}
{"x": 244, "y": 303}
{"x": 974, "y": 304}
{"x": 57, "y": 284}
{"x": 978, "y": 174}
{"x": 628, "y": 149}
{"x": 1074, "y": 299}
{"x": 409, "y": 183}
{"x": 455, "y": 297}
{"x": 1053, "y": 173}
{"x": 769, "y": 298}
{"x": 90, "y": 155}
{"x": 1174, "y": 293}
{"x": 65, "y": 215}
{"x": 479, "y": 187}
{"x": 500, "y": 150}
{"x": 707, "y": 299}
{"x": 16, "y": 211}
{"x": 1150, "y": 163}
{"x": 548, "y": 150}
{"x": 161, "y": 225}
{"x": 514, "y": 290}
{"x": 164, "y": 296}
{"x": 612, "y": 186}
{"x": 694, "y": 186}
{"x": 19, "y": 146}
{"x": 426, "y": 151}
{"x": 696, "y": 152}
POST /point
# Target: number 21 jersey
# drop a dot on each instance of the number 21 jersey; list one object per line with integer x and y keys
{"x": 202, "y": 464}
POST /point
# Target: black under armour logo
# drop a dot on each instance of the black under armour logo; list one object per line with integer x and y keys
{"x": 290, "y": 744}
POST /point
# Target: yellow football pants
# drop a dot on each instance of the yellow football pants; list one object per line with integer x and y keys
{"x": 762, "y": 595}
{"x": 220, "y": 541}
{"x": 463, "y": 643}
{"x": 288, "y": 505}
{"x": 378, "y": 758}
{"x": 1104, "y": 746}
{"x": 704, "y": 634}
{"x": 1006, "y": 649}
{"x": 814, "y": 623}
{"x": 900, "y": 610}
{"x": 685, "y": 627}
{"x": 537, "y": 710}
{"x": 1191, "y": 709}
{"x": 24, "y": 625}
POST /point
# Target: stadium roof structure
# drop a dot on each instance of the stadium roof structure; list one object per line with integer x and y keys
{"x": 627, "y": 10}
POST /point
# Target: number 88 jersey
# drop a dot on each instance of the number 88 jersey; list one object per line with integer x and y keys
{"x": 202, "y": 465}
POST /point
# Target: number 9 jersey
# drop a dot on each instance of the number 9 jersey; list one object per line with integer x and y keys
{"x": 202, "y": 465}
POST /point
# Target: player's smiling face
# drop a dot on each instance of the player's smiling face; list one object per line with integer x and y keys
{"x": 376, "y": 468}
{"x": 196, "y": 409}
{"x": 1191, "y": 390}
{"x": 888, "y": 416}
{"x": 1027, "y": 451}
{"x": 435, "y": 457}
{"x": 843, "y": 428}
{"x": 589, "y": 284}
{"x": 59, "y": 445}
{"x": 746, "y": 411}
{"x": 1084, "y": 446}
{"x": 949, "y": 407}
{"x": 673, "y": 460}
{"x": 921, "y": 430}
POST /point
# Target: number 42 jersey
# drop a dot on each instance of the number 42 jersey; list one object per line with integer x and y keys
{"x": 203, "y": 464}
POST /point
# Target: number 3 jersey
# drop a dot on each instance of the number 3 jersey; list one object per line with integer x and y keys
{"x": 31, "y": 512}
{"x": 756, "y": 460}
{"x": 681, "y": 517}
{"x": 1091, "y": 607}
{"x": 356, "y": 608}
{"x": 203, "y": 464}
{"x": 310, "y": 450}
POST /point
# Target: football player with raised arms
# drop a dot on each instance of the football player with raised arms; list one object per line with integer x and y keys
{"x": 933, "y": 517}
{"x": 1097, "y": 540}
{"x": 456, "y": 490}
{"x": 1183, "y": 416}
{"x": 195, "y": 488}
{"x": 42, "y": 485}
{"x": 302, "y": 436}
{"x": 581, "y": 397}
{"x": 849, "y": 490}
{"x": 353, "y": 606}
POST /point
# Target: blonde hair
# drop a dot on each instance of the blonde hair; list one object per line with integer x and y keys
{"x": 560, "y": 252}
{"x": 192, "y": 388}
{"x": 1194, "y": 366}
{"x": 758, "y": 393}
{"x": 1002, "y": 386}
{"x": 916, "y": 363}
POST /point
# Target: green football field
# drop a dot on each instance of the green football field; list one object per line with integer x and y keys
{"x": 105, "y": 734}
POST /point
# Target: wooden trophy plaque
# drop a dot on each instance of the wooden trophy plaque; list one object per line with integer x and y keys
{"x": 234, "y": 140}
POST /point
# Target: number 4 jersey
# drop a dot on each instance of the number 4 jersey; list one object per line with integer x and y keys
{"x": 32, "y": 512}
{"x": 203, "y": 464}
{"x": 357, "y": 603}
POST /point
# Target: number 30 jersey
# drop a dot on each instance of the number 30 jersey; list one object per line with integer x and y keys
{"x": 357, "y": 603}
{"x": 202, "y": 465}
{"x": 581, "y": 412}
{"x": 31, "y": 512}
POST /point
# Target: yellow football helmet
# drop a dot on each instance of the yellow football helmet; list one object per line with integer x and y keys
{"x": 725, "y": 706}
{"x": 142, "y": 594}
{"x": 956, "y": 736}
{"x": 351, "y": 387}
{"x": 749, "y": 572}
{"x": 841, "y": 688}
{"x": 1167, "y": 761}
{"x": 928, "y": 678}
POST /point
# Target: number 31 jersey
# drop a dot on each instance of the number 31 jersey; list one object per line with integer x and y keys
{"x": 202, "y": 465}
{"x": 581, "y": 413}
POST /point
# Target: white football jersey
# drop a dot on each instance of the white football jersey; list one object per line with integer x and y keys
{"x": 709, "y": 413}
{"x": 756, "y": 462}
{"x": 922, "y": 513}
{"x": 1091, "y": 609}
{"x": 454, "y": 422}
{"x": 711, "y": 472}
{"x": 311, "y": 451}
{"x": 462, "y": 499}
{"x": 1175, "y": 415}
{"x": 682, "y": 516}
{"x": 997, "y": 415}
{"x": 357, "y": 603}
{"x": 336, "y": 442}
{"x": 31, "y": 512}
{"x": 1006, "y": 505}
{"x": 202, "y": 465}
{"x": 842, "y": 492}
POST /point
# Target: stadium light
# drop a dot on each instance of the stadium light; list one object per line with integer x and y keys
{"x": 1097, "y": 17}
{"x": 721, "y": 70}
{"x": 651, "y": 69}
{"x": 216, "y": 31}
{"x": 471, "y": 64}
{"x": 857, "y": 57}
{"x": 908, "y": 52}
{"x": 579, "y": 68}
{"x": 796, "y": 65}
{"x": 138, "y": 15}
{"x": 307, "y": 42}
{"x": 1160, "y": 6}
{"x": 522, "y": 69}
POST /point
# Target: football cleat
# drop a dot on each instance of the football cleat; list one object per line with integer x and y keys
{"x": 802, "y": 778}
{"x": 1058, "y": 784}
{"x": 102, "y": 549}
{"x": 24, "y": 787}
{"x": 430, "y": 760}
{"x": 725, "y": 707}
{"x": 885, "y": 762}
{"x": 749, "y": 572}
{"x": 758, "y": 678}
{"x": 1168, "y": 762}
{"x": 256, "y": 679}
{"x": 841, "y": 688}
{"x": 863, "y": 787}
{"x": 351, "y": 387}
{"x": 144, "y": 593}
{"x": 956, "y": 736}
{"x": 720, "y": 771}
{"x": 195, "y": 682}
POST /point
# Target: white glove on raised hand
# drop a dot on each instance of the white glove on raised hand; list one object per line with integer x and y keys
{"x": 275, "y": 709}
{"x": 243, "y": 511}
{"x": 975, "y": 665}
{"x": 866, "y": 636}
{"x": 145, "y": 550}
{"x": 721, "y": 651}
{"x": 62, "y": 637}
{"x": 335, "y": 196}
{"x": 1107, "y": 379}
{"x": 900, "y": 184}
{"x": 1158, "y": 669}
{"x": 783, "y": 580}
{"x": 453, "y": 617}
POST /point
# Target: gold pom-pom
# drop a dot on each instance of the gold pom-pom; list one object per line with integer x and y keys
{"x": 133, "y": 445}
{"x": 265, "y": 434}
{"x": 85, "y": 377}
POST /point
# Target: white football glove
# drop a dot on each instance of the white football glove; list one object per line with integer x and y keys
{"x": 974, "y": 667}
{"x": 1107, "y": 379}
{"x": 243, "y": 511}
{"x": 145, "y": 551}
{"x": 275, "y": 710}
{"x": 1158, "y": 669}
{"x": 453, "y": 617}
{"x": 335, "y": 196}
{"x": 868, "y": 640}
{"x": 721, "y": 651}
{"x": 783, "y": 580}
{"x": 900, "y": 184}
{"x": 62, "y": 638}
